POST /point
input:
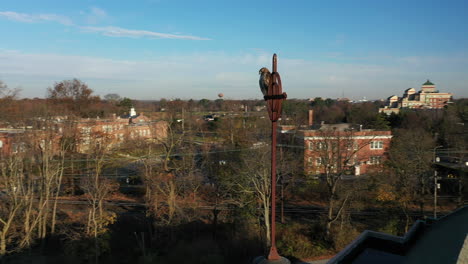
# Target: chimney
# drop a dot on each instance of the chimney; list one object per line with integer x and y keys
{"x": 311, "y": 117}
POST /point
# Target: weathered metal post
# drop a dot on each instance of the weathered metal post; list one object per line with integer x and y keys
{"x": 434, "y": 160}
{"x": 274, "y": 100}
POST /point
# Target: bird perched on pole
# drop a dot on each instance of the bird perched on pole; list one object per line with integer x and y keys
{"x": 265, "y": 79}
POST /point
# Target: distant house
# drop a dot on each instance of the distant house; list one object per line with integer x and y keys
{"x": 433, "y": 241}
{"x": 427, "y": 98}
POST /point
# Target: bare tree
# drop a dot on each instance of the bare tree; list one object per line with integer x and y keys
{"x": 98, "y": 188}
{"x": 112, "y": 97}
{"x": 72, "y": 95}
{"x": 258, "y": 174}
{"x": 411, "y": 160}
{"x": 333, "y": 155}
{"x": 10, "y": 108}
{"x": 14, "y": 185}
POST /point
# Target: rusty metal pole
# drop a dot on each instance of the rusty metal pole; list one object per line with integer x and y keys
{"x": 273, "y": 251}
{"x": 273, "y": 255}
{"x": 274, "y": 99}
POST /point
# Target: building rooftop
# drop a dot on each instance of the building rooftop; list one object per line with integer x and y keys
{"x": 428, "y": 82}
{"x": 443, "y": 240}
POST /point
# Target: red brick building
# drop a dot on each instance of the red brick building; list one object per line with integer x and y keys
{"x": 112, "y": 132}
{"x": 14, "y": 141}
{"x": 338, "y": 148}
{"x": 117, "y": 130}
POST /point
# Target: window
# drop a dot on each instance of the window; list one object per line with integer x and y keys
{"x": 321, "y": 145}
{"x": 318, "y": 161}
{"x": 334, "y": 146}
{"x": 311, "y": 145}
{"x": 375, "y": 160}
{"x": 376, "y": 145}
{"x": 86, "y": 140}
{"x": 352, "y": 145}
{"x": 1, "y": 144}
{"x": 86, "y": 130}
{"x": 19, "y": 147}
{"x": 107, "y": 128}
{"x": 312, "y": 160}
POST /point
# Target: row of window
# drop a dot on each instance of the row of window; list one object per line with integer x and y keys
{"x": 141, "y": 133}
{"x": 319, "y": 161}
{"x": 110, "y": 128}
{"x": 105, "y": 128}
{"x": 351, "y": 145}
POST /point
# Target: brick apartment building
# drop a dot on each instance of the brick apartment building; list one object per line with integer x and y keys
{"x": 116, "y": 131}
{"x": 338, "y": 148}
{"x": 113, "y": 132}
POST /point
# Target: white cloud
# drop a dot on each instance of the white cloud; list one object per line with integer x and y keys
{"x": 96, "y": 15}
{"x": 17, "y": 16}
{"x": 98, "y": 12}
{"x": 28, "y": 18}
{"x": 204, "y": 75}
{"x": 122, "y": 32}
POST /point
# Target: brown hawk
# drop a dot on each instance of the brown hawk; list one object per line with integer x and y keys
{"x": 265, "y": 79}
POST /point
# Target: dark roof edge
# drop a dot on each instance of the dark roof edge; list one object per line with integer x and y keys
{"x": 355, "y": 247}
{"x": 443, "y": 218}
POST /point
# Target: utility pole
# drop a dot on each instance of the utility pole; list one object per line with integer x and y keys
{"x": 183, "y": 120}
{"x": 435, "y": 180}
{"x": 435, "y": 194}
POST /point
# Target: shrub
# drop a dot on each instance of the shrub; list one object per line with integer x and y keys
{"x": 294, "y": 240}
{"x": 342, "y": 235}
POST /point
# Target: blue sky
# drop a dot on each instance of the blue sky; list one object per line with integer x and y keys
{"x": 151, "y": 49}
